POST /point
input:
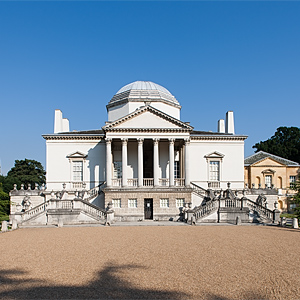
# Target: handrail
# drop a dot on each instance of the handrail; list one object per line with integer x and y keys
{"x": 206, "y": 209}
{"x": 199, "y": 190}
{"x": 260, "y": 208}
{"x": 95, "y": 191}
{"x": 34, "y": 211}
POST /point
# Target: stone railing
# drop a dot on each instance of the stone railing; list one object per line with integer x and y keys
{"x": 35, "y": 211}
{"x": 179, "y": 181}
{"x": 132, "y": 182}
{"x": 94, "y": 192}
{"x": 148, "y": 182}
{"x": 164, "y": 181}
{"x": 199, "y": 190}
{"x": 64, "y": 205}
{"x": 116, "y": 182}
{"x": 261, "y": 210}
{"x": 206, "y": 209}
{"x": 213, "y": 184}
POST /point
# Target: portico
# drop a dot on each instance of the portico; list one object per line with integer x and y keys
{"x": 154, "y": 162}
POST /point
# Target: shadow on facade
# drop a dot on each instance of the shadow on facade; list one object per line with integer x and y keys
{"x": 107, "y": 286}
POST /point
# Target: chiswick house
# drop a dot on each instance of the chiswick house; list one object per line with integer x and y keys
{"x": 145, "y": 163}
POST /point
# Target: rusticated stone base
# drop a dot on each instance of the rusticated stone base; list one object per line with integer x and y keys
{"x": 124, "y": 213}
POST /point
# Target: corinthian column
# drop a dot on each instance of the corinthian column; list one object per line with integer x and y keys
{"x": 140, "y": 162}
{"x": 155, "y": 162}
{"x": 187, "y": 162}
{"x": 108, "y": 162}
{"x": 171, "y": 162}
{"x": 124, "y": 162}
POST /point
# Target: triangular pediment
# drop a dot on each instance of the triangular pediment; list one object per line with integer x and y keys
{"x": 77, "y": 154}
{"x": 147, "y": 117}
{"x": 268, "y": 162}
{"x": 214, "y": 154}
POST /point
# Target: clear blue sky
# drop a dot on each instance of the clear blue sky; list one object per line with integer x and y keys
{"x": 213, "y": 56}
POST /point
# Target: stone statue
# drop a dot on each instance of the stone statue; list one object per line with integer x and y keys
{"x": 26, "y": 203}
{"x": 261, "y": 200}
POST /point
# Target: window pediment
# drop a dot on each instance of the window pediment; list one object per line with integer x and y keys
{"x": 214, "y": 155}
{"x": 77, "y": 154}
{"x": 268, "y": 171}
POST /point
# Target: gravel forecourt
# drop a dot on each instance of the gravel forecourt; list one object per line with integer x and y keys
{"x": 150, "y": 262}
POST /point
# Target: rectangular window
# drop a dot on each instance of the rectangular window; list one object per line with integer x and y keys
{"x": 214, "y": 170}
{"x": 132, "y": 203}
{"x": 116, "y": 203}
{"x": 268, "y": 181}
{"x": 292, "y": 179}
{"x": 117, "y": 169}
{"x": 176, "y": 169}
{"x": 77, "y": 170}
{"x": 164, "y": 202}
{"x": 180, "y": 202}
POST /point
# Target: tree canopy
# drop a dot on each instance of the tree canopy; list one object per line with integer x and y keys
{"x": 284, "y": 143}
{"x": 296, "y": 198}
{"x": 25, "y": 171}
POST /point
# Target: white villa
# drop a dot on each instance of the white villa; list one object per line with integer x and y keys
{"x": 144, "y": 162}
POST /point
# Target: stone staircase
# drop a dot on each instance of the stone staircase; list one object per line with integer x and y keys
{"x": 69, "y": 210}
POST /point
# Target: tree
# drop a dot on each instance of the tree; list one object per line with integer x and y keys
{"x": 285, "y": 143}
{"x": 27, "y": 172}
{"x": 4, "y": 205}
{"x": 296, "y": 198}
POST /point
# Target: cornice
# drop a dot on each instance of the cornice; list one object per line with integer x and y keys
{"x": 175, "y": 130}
{"x": 219, "y": 138}
{"x": 73, "y": 137}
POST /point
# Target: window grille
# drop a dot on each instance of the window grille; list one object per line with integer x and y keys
{"x": 77, "y": 170}
{"x": 180, "y": 202}
{"x": 132, "y": 203}
{"x": 164, "y": 202}
{"x": 214, "y": 170}
{"x": 116, "y": 203}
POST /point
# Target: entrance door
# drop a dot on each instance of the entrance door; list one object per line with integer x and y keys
{"x": 148, "y": 209}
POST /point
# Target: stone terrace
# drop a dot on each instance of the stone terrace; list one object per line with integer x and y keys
{"x": 150, "y": 262}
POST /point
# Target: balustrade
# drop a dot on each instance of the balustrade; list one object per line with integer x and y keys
{"x": 132, "y": 182}
{"x": 116, "y": 182}
{"x": 148, "y": 182}
{"x": 163, "y": 181}
{"x": 179, "y": 181}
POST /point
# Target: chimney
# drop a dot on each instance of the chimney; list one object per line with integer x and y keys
{"x": 229, "y": 122}
{"x": 60, "y": 124}
{"x": 221, "y": 126}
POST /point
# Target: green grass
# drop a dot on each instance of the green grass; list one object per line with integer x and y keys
{"x": 291, "y": 216}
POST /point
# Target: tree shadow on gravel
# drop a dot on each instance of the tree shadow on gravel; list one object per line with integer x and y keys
{"x": 107, "y": 286}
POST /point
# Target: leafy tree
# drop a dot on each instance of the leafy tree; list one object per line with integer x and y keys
{"x": 25, "y": 171}
{"x": 296, "y": 198}
{"x": 285, "y": 143}
{"x": 4, "y": 204}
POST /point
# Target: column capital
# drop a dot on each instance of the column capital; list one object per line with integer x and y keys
{"x": 171, "y": 140}
{"x": 124, "y": 141}
{"x": 155, "y": 141}
{"x": 187, "y": 141}
{"x": 140, "y": 140}
{"x": 108, "y": 140}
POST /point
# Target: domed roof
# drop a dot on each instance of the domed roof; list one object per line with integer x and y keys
{"x": 143, "y": 85}
{"x": 143, "y": 91}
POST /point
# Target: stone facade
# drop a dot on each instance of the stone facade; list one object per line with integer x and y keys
{"x": 269, "y": 174}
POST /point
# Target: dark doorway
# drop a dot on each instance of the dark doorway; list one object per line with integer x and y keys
{"x": 148, "y": 208}
{"x": 148, "y": 159}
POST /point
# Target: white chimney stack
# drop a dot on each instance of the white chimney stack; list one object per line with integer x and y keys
{"x": 229, "y": 122}
{"x": 60, "y": 124}
{"x": 221, "y": 126}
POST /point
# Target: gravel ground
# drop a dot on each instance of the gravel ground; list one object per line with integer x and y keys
{"x": 150, "y": 262}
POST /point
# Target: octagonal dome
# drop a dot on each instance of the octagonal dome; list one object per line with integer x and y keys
{"x": 140, "y": 93}
{"x": 143, "y": 91}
